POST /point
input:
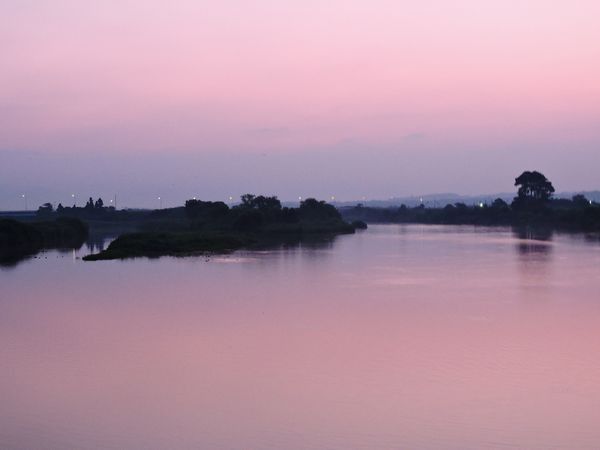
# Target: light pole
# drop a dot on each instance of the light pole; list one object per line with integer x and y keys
{"x": 159, "y": 202}
{"x": 25, "y": 199}
{"x": 74, "y": 200}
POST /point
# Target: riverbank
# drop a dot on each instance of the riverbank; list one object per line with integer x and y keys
{"x": 20, "y": 239}
{"x": 577, "y": 215}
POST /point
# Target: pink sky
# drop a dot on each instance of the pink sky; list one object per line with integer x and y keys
{"x": 189, "y": 78}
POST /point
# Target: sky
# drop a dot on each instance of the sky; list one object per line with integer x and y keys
{"x": 350, "y": 98}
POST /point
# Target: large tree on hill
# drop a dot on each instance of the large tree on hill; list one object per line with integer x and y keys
{"x": 534, "y": 186}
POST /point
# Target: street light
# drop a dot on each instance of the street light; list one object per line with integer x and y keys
{"x": 160, "y": 202}
{"x": 74, "y": 200}
{"x": 25, "y": 199}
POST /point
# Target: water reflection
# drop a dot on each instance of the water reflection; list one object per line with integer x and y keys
{"x": 400, "y": 337}
{"x": 96, "y": 242}
{"x": 9, "y": 259}
{"x": 295, "y": 241}
{"x": 533, "y": 241}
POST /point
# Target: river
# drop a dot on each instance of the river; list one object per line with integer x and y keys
{"x": 416, "y": 337}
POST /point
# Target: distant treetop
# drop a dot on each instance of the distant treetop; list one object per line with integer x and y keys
{"x": 534, "y": 186}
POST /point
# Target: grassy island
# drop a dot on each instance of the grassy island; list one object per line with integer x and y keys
{"x": 213, "y": 227}
{"x": 151, "y": 244}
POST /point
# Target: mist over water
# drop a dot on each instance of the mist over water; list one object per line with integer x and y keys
{"x": 397, "y": 337}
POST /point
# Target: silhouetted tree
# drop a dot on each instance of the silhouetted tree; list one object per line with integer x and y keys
{"x": 534, "y": 186}
{"x": 312, "y": 209}
{"x": 534, "y": 193}
{"x": 90, "y": 204}
{"x": 267, "y": 204}
{"x": 580, "y": 201}
{"x": 195, "y": 209}
{"x": 500, "y": 204}
{"x": 99, "y": 204}
{"x": 268, "y": 207}
{"x": 45, "y": 210}
{"x": 248, "y": 200}
{"x": 192, "y": 204}
{"x": 60, "y": 208}
{"x": 260, "y": 202}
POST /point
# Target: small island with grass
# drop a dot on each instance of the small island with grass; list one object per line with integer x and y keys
{"x": 202, "y": 227}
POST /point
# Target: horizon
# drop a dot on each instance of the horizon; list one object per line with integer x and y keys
{"x": 429, "y": 200}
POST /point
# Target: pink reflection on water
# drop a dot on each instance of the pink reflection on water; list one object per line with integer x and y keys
{"x": 429, "y": 338}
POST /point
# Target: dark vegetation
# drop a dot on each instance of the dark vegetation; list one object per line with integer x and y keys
{"x": 204, "y": 227}
{"x": 154, "y": 244}
{"x": 18, "y": 239}
{"x": 533, "y": 206}
{"x": 95, "y": 214}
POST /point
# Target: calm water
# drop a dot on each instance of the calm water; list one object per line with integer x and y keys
{"x": 398, "y": 337}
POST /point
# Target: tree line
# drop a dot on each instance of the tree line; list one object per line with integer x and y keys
{"x": 533, "y": 204}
